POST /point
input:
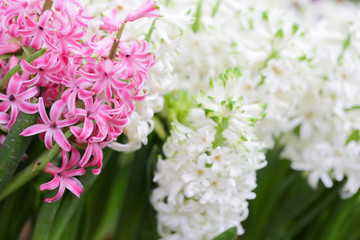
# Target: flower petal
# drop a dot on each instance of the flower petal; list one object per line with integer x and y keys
{"x": 35, "y": 129}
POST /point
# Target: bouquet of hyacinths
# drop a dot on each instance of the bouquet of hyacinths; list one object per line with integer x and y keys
{"x": 176, "y": 127}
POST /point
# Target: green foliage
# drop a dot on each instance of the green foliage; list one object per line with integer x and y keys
{"x": 287, "y": 208}
{"x": 177, "y": 106}
{"x": 219, "y": 139}
{"x": 230, "y": 234}
{"x": 354, "y": 136}
{"x": 14, "y": 147}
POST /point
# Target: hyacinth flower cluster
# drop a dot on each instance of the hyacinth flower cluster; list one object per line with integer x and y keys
{"x": 209, "y": 170}
{"x": 85, "y": 87}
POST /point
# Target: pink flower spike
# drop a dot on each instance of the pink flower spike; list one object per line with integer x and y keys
{"x": 52, "y": 126}
{"x": 149, "y": 9}
{"x": 64, "y": 176}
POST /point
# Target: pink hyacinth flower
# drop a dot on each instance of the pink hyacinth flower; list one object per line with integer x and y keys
{"x": 136, "y": 58}
{"x": 76, "y": 89}
{"x": 64, "y": 176}
{"x": 92, "y": 116}
{"x": 149, "y": 9}
{"x": 110, "y": 23}
{"x": 17, "y": 99}
{"x": 8, "y": 44}
{"x": 40, "y": 32}
{"x": 107, "y": 76}
{"x": 44, "y": 68}
{"x": 52, "y": 127}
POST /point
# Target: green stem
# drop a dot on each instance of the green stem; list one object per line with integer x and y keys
{"x": 32, "y": 170}
{"x": 17, "y": 68}
{"x": 148, "y": 35}
{"x": 116, "y": 42}
{"x": 47, "y": 6}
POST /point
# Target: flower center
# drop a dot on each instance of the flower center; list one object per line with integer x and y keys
{"x": 41, "y": 69}
{"x": 12, "y": 98}
{"x": 127, "y": 55}
{"x": 53, "y": 126}
{"x": 41, "y": 28}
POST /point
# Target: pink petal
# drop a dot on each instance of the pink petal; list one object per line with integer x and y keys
{"x": 58, "y": 195}
{"x": 35, "y": 129}
{"x": 27, "y": 67}
{"x": 76, "y": 131}
{"x": 75, "y": 172}
{"x": 65, "y": 160}
{"x": 74, "y": 185}
{"x": 42, "y": 112}
{"x": 27, "y": 94}
{"x": 4, "y": 106}
{"x": 56, "y": 110}
{"x": 13, "y": 116}
{"x": 87, "y": 129}
{"x": 44, "y": 18}
{"x": 54, "y": 183}
{"x": 48, "y": 139}
{"x": 67, "y": 122}
{"x": 74, "y": 160}
{"x": 14, "y": 85}
{"x": 4, "y": 118}
{"x": 85, "y": 158}
{"x": 27, "y": 107}
{"x": 61, "y": 140}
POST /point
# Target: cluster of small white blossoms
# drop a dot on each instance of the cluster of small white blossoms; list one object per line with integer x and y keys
{"x": 209, "y": 170}
{"x": 163, "y": 36}
{"x": 301, "y": 57}
{"x": 325, "y": 142}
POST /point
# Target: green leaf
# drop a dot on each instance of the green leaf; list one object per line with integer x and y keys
{"x": 347, "y": 42}
{"x": 354, "y": 136}
{"x": 216, "y": 8}
{"x": 14, "y": 147}
{"x": 230, "y": 234}
{"x": 265, "y": 16}
{"x": 111, "y": 213}
{"x": 295, "y": 28}
{"x": 352, "y": 108}
{"x": 136, "y": 199}
{"x": 196, "y": 24}
{"x": 45, "y": 219}
{"x": 16, "y": 211}
{"x": 280, "y": 33}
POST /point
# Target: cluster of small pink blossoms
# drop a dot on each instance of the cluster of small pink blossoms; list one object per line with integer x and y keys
{"x": 90, "y": 86}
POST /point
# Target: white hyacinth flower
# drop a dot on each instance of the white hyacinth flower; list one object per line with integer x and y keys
{"x": 209, "y": 170}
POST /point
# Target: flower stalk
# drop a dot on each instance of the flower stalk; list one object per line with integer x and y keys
{"x": 116, "y": 42}
{"x": 47, "y": 6}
